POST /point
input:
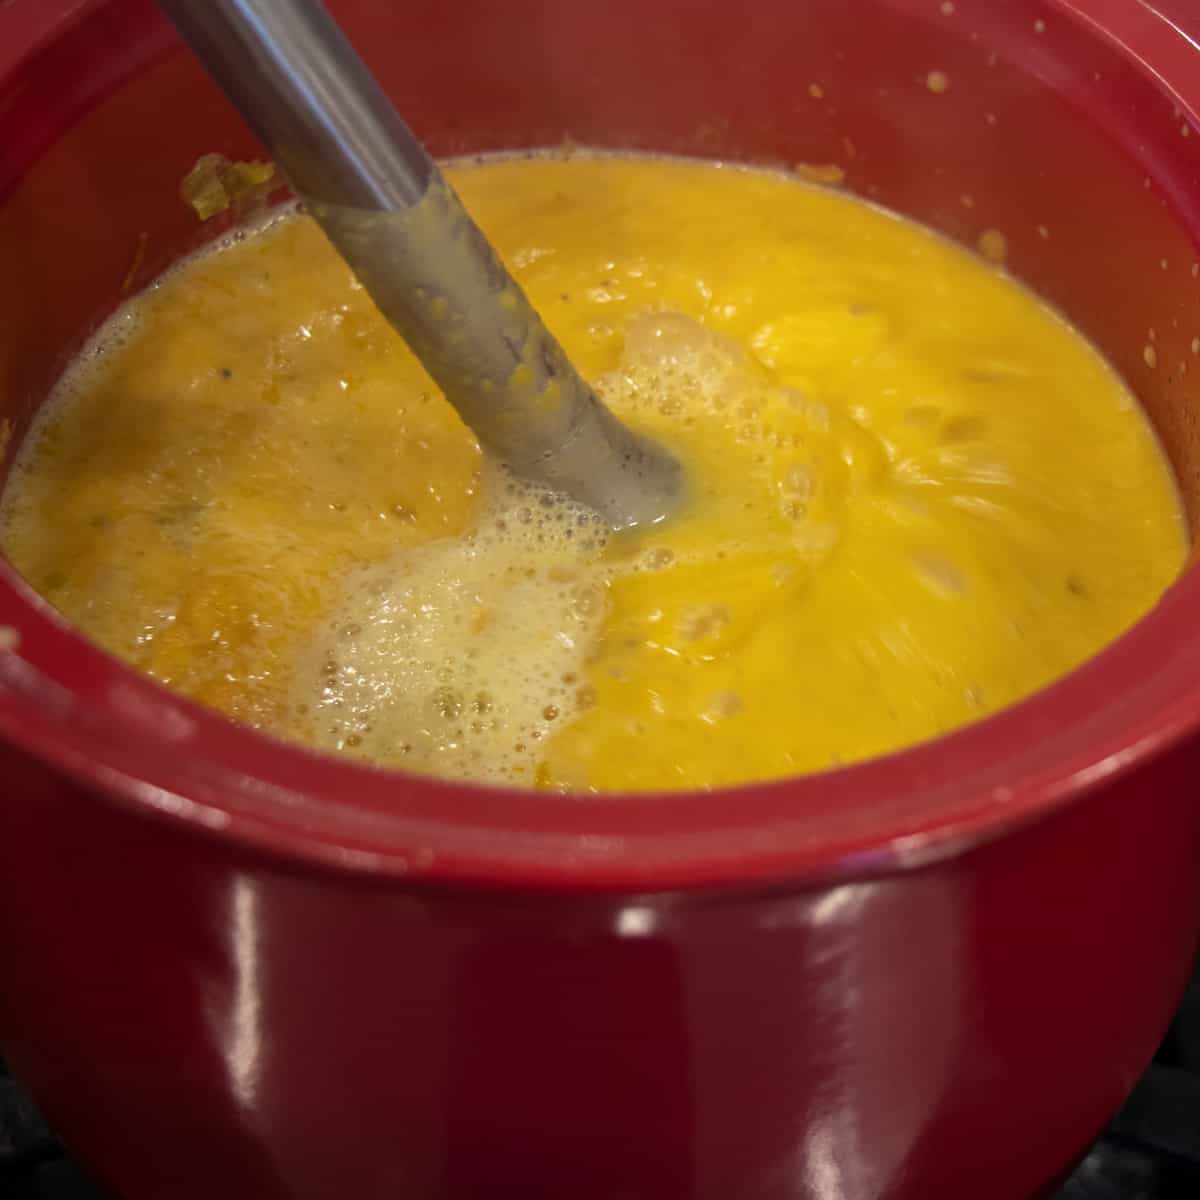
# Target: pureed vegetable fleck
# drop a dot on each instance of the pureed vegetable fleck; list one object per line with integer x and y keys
{"x": 917, "y": 495}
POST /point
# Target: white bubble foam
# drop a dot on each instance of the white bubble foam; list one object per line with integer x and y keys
{"x": 460, "y": 657}
{"x": 675, "y": 367}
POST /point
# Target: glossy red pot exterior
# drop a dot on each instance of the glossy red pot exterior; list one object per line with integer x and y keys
{"x": 234, "y": 968}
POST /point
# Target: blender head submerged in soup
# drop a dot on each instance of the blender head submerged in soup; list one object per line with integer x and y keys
{"x": 917, "y": 495}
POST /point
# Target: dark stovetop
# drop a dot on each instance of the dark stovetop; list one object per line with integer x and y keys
{"x": 1151, "y": 1151}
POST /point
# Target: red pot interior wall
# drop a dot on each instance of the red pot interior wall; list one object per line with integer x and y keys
{"x": 1045, "y": 134}
{"x": 1047, "y": 128}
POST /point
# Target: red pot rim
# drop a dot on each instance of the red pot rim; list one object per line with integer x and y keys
{"x": 107, "y": 726}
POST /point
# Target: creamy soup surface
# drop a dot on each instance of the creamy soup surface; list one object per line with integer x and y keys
{"x": 917, "y": 495}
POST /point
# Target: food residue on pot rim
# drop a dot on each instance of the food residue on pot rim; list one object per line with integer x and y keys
{"x": 215, "y": 185}
{"x": 993, "y": 245}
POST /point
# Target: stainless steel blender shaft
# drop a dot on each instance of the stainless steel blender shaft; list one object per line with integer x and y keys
{"x": 388, "y": 210}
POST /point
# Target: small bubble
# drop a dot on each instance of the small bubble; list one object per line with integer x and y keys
{"x": 550, "y": 712}
{"x": 1150, "y": 356}
{"x": 585, "y": 602}
{"x": 938, "y": 82}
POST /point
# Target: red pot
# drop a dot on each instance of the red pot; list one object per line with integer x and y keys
{"x": 234, "y": 968}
